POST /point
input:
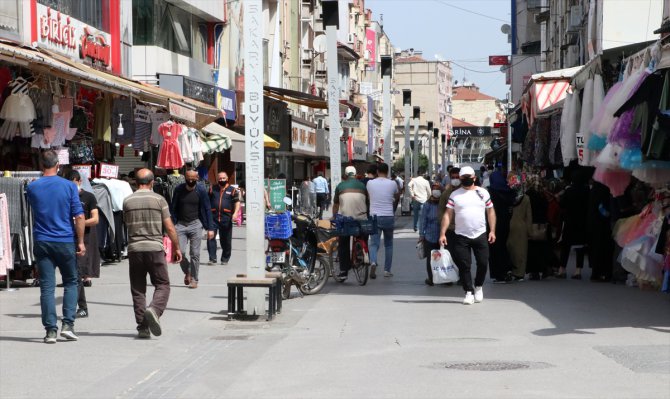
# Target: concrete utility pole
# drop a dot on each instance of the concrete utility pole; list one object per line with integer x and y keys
{"x": 417, "y": 119}
{"x": 509, "y": 131}
{"x": 387, "y": 72}
{"x": 332, "y": 23}
{"x": 407, "y": 108}
{"x": 436, "y": 134}
{"x": 444, "y": 153}
{"x": 254, "y": 152}
{"x": 430, "y": 149}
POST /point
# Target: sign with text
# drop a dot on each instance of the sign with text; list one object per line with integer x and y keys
{"x": 498, "y": 60}
{"x": 109, "y": 170}
{"x": 225, "y": 101}
{"x": 63, "y": 156}
{"x": 84, "y": 171}
{"x": 580, "y": 148}
{"x": 303, "y": 138}
{"x": 276, "y": 189}
{"x": 474, "y": 131}
{"x": 71, "y": 37}
{"x": 182, "y": 111}
{"x": 371, "y": 49}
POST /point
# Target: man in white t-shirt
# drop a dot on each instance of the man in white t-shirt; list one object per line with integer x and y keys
{"x": 383, "y": 194}
{"x": 469, "y": 207}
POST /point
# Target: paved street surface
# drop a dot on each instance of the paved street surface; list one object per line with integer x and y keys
{"x": 394, "y": 338}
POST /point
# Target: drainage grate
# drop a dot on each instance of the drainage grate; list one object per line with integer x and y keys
{"x": 231, "y": 338}
{"x": 493, "y": 366}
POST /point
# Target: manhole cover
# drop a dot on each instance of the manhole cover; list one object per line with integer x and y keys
{"x": 493, "y": 366}
{"x": 232, "y": 338}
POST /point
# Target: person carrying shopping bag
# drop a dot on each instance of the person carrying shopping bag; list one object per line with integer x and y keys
{"x": 429, "y": 232}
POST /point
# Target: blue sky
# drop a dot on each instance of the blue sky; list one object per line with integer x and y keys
{"x": 440, "y": 27}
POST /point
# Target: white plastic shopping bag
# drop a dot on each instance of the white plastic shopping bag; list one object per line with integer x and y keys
{"x": 443, "y": 267}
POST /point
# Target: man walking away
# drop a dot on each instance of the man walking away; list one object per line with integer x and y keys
{"x": 225, "y": 202}
{"x": 383, "y": 194}
{"x": 469, "y": 206}
{"x": 351, "y": 200}
{"x": 191, "y": 212}
{"x": 86, "y": 263}
{"x": 146, "y": 214}
{"x": 322, "y": 191}
{"x": 401, "y": 189}
{"x": 419, "y": 189}
{"x": 55, "y": 204}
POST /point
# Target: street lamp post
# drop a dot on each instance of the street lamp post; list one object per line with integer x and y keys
{"x": 407, "y": 105}
{"x": 417, "y": 117}
{"x": 430, "y": 149}
{"x": 436, "y": 134}
{"x": 387, "y": 72}
{"x": 332, "y": 22}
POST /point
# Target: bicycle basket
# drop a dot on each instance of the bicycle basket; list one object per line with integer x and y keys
{"x": 278, "y": 226}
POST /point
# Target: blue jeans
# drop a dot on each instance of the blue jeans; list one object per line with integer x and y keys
{"x": 385, "y": 225}
{"x": 416, "y": 213}
{"x": 50, "y": 255}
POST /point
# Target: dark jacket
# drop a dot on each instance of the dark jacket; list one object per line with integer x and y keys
{"x": 205, "y": 212}
{"x": 223, "y": 200}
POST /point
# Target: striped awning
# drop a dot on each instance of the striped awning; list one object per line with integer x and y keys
{"x": 546, "y": 89}
{"x": 214, "y": 142}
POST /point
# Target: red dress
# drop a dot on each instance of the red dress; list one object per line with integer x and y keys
{"x": 169, "y": 155}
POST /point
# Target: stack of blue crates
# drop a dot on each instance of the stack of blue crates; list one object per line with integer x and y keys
{"x": 278, "y": 226}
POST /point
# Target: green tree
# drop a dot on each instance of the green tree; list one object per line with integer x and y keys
{"x": 399, "y": 164}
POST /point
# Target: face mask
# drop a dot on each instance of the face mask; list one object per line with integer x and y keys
{"x": 467, "y": 181}
{"x": 222, "y": 183}
{"x": 455, "y": 182}
{"x": 437, "y": 193}
{"x": 191, "y": 183}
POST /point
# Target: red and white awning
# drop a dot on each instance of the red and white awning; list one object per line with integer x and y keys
{"x": 544, "y": 90}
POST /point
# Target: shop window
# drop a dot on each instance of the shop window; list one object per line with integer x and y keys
{"x": 91, "y": 12}
{"x": 158, "y": 23}
{"x": 9, "y": 17}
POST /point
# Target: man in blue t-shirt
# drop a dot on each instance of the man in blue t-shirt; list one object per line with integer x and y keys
{"x": 58, "y": 215}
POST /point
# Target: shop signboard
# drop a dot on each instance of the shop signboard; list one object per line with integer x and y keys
{"x": 84, "y": 171}
{"x": 182, "y": 111}
{"x": 109, "y": 170}
{"x": 276, "y": 189}
{"x": 472, "y": 131}
{"x": 360, "y": 152}
{"x": 225, "y": 101}
{"x": 63, "y": 156}
{"x": 200, "y": 91}
{"x": 69, "y": 36}
{"x": 371, "y": 126}
{"x": 371, "y": 48}
{"x": 580, "y": 148}
{"x": 303, "y": 138}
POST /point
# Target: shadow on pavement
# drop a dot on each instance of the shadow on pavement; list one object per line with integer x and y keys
{"x": 170, "y": 309}
{"x": 25, "y": 315}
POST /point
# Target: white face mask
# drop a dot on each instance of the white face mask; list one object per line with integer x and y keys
{"x": 437, "y": 193}
{"x": 455, "y": 182}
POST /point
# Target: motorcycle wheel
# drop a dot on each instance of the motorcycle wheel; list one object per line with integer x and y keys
{"x": 317, "y": 278}
{"x": 286, "y": 289}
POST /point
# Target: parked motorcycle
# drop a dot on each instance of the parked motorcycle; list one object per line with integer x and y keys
{"x": 302, "y": 261}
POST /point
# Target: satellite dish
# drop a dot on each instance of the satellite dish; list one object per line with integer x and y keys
{"x": 320, "y": 43}
{"x": 506, "y": 29}
{"x": 349, "y": 114}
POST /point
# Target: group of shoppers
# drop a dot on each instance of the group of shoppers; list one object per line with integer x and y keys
{"x": 65, "y": 217}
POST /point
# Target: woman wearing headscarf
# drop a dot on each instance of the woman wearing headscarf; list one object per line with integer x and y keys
{"x": 429, "y": 231}
{"x": 502, "y": 198}
{"x": 539, "y": 245}
{"x": 519, "y": 227}
{"x": 574, "y": 203}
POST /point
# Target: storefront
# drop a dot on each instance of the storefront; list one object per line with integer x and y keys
{"x": 303, "y": 148}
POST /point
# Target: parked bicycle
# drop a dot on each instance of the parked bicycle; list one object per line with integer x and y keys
{"x": 359, "y": 230}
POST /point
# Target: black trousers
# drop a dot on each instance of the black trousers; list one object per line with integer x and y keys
{"x": 225, "y": 230}
{"x": 462, "y": 256}
{"x": 427, "y": 247}
{"x": 565, "y": 255}
{"x": 81, "y": 302}
{"x": 321, "y": 202}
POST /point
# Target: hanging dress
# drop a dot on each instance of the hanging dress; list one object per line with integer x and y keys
{"x": 18, "y": 111}
{"x": 169, "y": 155}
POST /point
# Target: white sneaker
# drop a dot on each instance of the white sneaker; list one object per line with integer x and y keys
{"x": 479, "y": 294}
{"x": 469, "y": 298}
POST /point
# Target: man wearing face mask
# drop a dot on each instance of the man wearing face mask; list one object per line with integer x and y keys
{"x": 225, "y": 202}
{"x": 191, "y": 212}
{"x": 470, "y": 207}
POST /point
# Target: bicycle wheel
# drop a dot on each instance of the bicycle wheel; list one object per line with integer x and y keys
{"x": 359, "y": 265}
{"x": 335, "y": 262}
{"x": 318, "y": 276}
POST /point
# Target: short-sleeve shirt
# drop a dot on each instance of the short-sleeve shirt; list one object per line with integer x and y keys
{"x": 55, "y": 202}
{"x": 351, "y": 197}
{"x": 382, "y": 193}
{"x": 470, "y": 211}
{"x": 143, "y": 213}
{"x": 89, "y": 203}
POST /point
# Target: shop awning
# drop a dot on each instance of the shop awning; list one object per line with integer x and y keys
{"x": 269, "y": 142}
{"x": 544, "y": 90}
{"x": 236, "y": 141}
{"x": 43, "y": 60}
{"x": 295, "y": 97}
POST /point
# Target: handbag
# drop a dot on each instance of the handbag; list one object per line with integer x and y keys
{"x": 420, "y": 252}
{"x": 443, "y": 267}
{"x": 537, "y": 232}
{"x": 167, "y": 245}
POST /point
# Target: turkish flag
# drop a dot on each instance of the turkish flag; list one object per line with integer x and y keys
{"x": 498, "y": 60}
